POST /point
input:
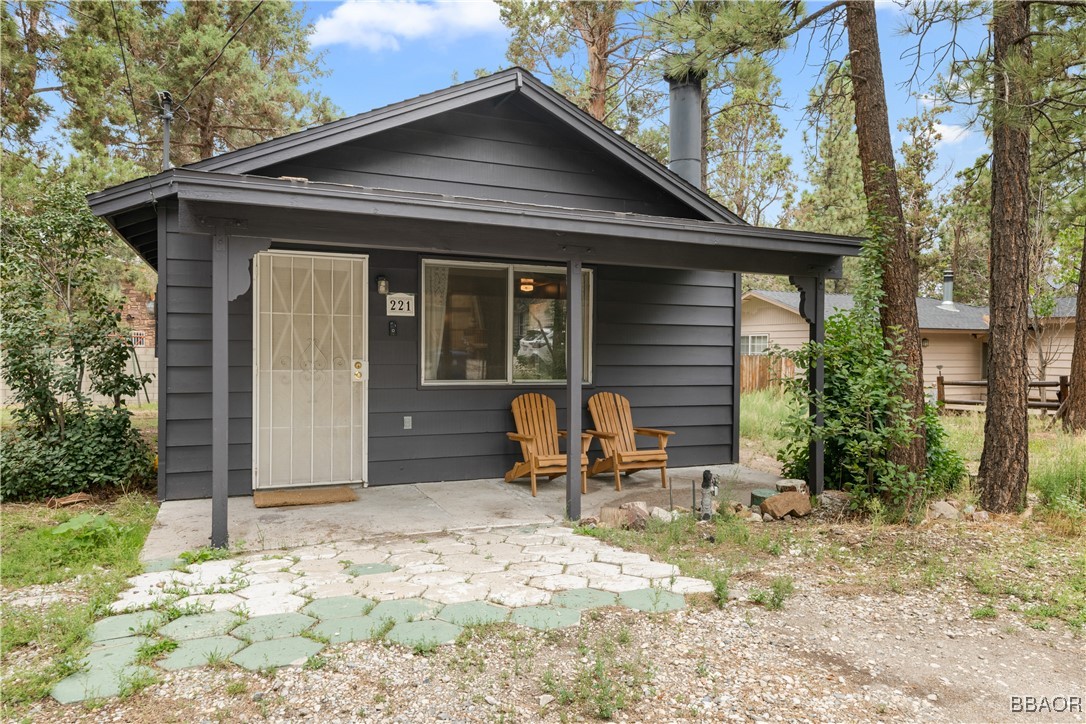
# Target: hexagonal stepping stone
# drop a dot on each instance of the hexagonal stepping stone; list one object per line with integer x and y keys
{"x": 118, "y": 627}
{"x": 545, "y": 618}
{"x": 268, "y": 565}
{"x": 619, "y": 584}
{"x": 97, "y": 683}
{"x": 584, "y": 598}
{"x": 424, "y": 634}
{"x": 652, "y": 599}
{"x": 115, "y": 654}
{"x": 471, "y": 563}
{"x": 410, "y": 609}
{"x": 683, "y": 584}
{"x": 514, "y": 594}
{"x": 199, "y": 652}
{"x": 559, "y": 582}
{"x": 651, "y": 569}
{"x": 276, "y": 653}
{"x": 213, "y": 601}
{"x": 328, "y": 609}
{"x": 267, "y": 605}
{"x": 200, "y": 626}
{"x": 368, "y": 569}
{"x": 160, "y": 564}
{"x": 473, "y": 613}
{"x": 274, "y": 626}
{"x": 262, "y": 590}
{"x": 357, "y": 628}
{"x": 458, "y": 593}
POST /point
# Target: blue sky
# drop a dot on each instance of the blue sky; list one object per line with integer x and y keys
{"x": 382, "y": 52}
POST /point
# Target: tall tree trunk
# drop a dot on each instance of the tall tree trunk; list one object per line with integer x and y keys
{"x": 899, "y": 270}
{"x": 595, "y": 23}
{"x": 1004, "y": 463}
{"x": 1075, "y": 412}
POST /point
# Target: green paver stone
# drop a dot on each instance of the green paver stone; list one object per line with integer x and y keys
{"x": 583, "y": 598}
{"x": 403, "y": 611}
{"x": 357, "y": 628}
{"x": 273, "y": 626}
{"x": 327, "y": 609}
{"x": 119, "y": 654}
{"x": 197, "y": 652}
{"x": 276, "y": 653}
{"x": 97, "y": 683}
{"x": 368, "y": 569}
{"x": 474, "y": 613}
{"x": 423, "y": 633}
{"x": 160, "y": 564}
{"x": 545, "y": 618}
{"x": 652, "y": 599}
{"x": 757, "y": 497}
{"x": 117, "y": 627}
{"x": 199, "y": 626}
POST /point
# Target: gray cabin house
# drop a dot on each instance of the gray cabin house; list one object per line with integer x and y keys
{"x": 362, "y": 300}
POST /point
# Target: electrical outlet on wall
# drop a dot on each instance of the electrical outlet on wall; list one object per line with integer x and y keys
{"x": 407, "y": 422}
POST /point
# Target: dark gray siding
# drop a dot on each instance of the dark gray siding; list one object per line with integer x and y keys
{"x": 512, "y": 152}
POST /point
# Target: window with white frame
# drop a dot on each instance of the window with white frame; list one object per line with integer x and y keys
{"x": 487, "y": 323}
{"x": 753, "y": 343}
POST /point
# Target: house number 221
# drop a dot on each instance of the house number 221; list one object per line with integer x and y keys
{"x": 400, "y": 305}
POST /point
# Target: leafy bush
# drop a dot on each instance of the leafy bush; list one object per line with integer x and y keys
{"x": 62, "y": 338}
{"x": 866, "y": 413}
{"x": 99, "y": 448}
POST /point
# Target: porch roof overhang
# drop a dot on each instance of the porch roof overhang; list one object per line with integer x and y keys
{"x": 324, "y": 213}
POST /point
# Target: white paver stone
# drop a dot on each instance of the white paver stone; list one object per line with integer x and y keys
{"x": 320, "y": 579}
{"x": 684, "y": 585}
{"x": 515, "y": 595}
{"x": 619, "y": 556}
{"x": 212, "y": 602}
{"x": 317, "y": 565}
{"x": 594, "y": 570}
{"x": 458, "y": 592}
{"x": 416, "y": 569}
{"x": 269, "y": 565}
{"x": 532, "y": 569}
{"x": 560, "y": 582}
{"x": 500, "y": 577}
{"x": 409, "y": 557}
{"x": 256, "y": 579}
{"x": 439, "y": 578}
{"x": 469, "y": 563}
{"x": 368, "y": 555}
{"x": 264, "y": 590}
{"x": 317, "y": 552}
{"x": 393, "y": 591}
{"x": 450, "y": 546}
{"x": 329, "y": 590}
{"x": 556, "y": 531}
{"x": 273, "y": 604}
{"x": 569, "y": 557}
{"x": 652, "y": 569}
{"x": 483, "y": 537}
{"x": 619, "y": 584}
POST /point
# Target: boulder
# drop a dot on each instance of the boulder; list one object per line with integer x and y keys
{"x": 612, "y": 517}
{"x": 755, "y": 518}
{"x": 981, "y": 516}
{"x": 942, "y": 510}
{"x": 791, "y": 485}
{"x": 590, "y": 521}
{"x": 783, "y": 504}
{"x": 666, "y": 516}
{"x": 834, "y": 501}
{"x": 637, "y": 514}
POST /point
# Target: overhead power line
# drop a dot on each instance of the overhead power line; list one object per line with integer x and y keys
{"x": 128, "y": 77}
{"x": 221, "y": 51}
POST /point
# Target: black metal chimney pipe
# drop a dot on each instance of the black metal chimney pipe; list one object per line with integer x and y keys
{"x": 684, "y": 125}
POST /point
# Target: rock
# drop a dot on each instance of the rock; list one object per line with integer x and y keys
{"x": 738, "y": 507}
{"x": 491, "y": 700}
{"x": 969, "y": 509}
{"x": 755, "y": 518}
{"x": 943, "y": 510}
{"x": 637, "y": 514}
{"x": 767, "y": 518}
{"x": 788, "y": 519}
{"x": 782, "y": 504}
{"x": 834, "y": 501}
{"x": 665, "y": 515}
{"x": 545, "y": 699}
{"x": 791, "y": 485}
{"x": 981, "y": 516}
{"x": 612, "y": 517}
{"x": 590, "y": 521}
{"x": 258, "y": 696}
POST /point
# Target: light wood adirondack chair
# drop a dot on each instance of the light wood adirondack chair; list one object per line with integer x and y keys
{"x": 537, "y": 432}
{"x": 617, "y": 435}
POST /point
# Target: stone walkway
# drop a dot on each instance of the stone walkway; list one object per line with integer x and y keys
{"x": 283, "y": 608}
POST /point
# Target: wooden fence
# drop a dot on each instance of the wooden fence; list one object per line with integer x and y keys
{"x": 759, "y": 371}
{"x": 1039, "y": 403}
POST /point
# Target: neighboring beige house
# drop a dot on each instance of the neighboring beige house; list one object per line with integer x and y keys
{"x": 954, "y": 336}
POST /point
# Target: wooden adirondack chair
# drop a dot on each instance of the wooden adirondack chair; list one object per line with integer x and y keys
{"x": 537, "y": 432}
{"x": 617, "y": 435}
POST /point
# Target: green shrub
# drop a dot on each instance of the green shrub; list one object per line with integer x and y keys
{"x": 101, "y": 448}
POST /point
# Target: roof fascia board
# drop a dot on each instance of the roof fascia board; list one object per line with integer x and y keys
{"x": 612, "y": 142}
{"x": 133, "y": 194}
{"x": 259, "y": 191}
{"x": 348, "y": 129}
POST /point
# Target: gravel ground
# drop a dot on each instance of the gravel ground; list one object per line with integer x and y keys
{"x": 842, "y": 649}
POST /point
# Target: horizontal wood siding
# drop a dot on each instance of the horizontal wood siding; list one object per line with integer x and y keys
{"x": 785, "y": 329}
{"x": 512, "y": 152}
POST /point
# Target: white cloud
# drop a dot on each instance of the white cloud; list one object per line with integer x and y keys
{"x": 952, "y": 133}
{"x": 383, "y": 25}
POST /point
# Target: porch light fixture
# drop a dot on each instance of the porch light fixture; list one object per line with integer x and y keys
{"x": 925, "y": 342}
{"x": 526, "y": 284}
{"x": 382, "y": 284}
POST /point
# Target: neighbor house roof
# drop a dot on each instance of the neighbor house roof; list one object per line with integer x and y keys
{"x": 967, "y": 318}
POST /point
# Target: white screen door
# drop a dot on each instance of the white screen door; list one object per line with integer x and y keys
{"x": 310, "y": 369}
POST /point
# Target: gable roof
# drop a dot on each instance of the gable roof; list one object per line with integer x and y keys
{"x": 251, "y": 159}
{"x": 968, "y": 318}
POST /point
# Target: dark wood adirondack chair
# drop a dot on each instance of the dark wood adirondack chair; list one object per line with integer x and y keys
{"x": 536, "y": 417}
{"x": 618, "y": 438}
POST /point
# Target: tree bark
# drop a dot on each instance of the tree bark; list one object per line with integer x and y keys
{"x": 595, "y": 23}
{"x": 899, "y": 268}
{"x": 1075, "y": 412}
{"x": 1004, "y": 463}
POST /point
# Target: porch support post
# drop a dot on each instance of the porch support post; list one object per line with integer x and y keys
{"x": 812, "y": 306}
{"x": 574, "y": 367}
{"x": 220, "y": 387}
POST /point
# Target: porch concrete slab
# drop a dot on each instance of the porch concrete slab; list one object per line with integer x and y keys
{"x": 274, "y": 626}
{"x": 473, "y": 613}
{"x": 355, "y": 628}
{"x": 116, "y": 627}
{"x": 424, "y": 634}
{"x": 339, "y": 607}
{"x": 276, "y": 653}
{"x": 202, "y": 625}
{"x": 584, "y": 598}
{"x": 545, "y": 618}
{"x": 199, "y": 652}
{"x": 652, "y": 599}
{"x": 414, "y": 510}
